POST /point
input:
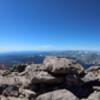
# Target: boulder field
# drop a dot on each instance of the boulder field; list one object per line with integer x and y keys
{"x": 57, "y": 78}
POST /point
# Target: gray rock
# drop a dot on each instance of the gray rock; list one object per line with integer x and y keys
{"x": 94, "y": 96}
{"x": 12, "y": 98}
{"x": 58, "y": 95}
{"x": 36, "y": 73}
{"x": 41, "y": 77}
{"x": 4, "y": 72}
{"x": 9, "y": 81}
{"x": 92, "y": 74}
{"x": 62, "y": 65}
{"x": 25, "y": 93}
{"x": 35, "y": 67}
{"x": 96, "y": 88}
{"x": 93, "y": 68}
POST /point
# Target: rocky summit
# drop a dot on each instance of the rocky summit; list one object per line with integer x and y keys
{"x": 56, "y": 78}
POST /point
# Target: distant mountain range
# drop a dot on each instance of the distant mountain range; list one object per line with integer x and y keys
{"x": 86, "y": 58}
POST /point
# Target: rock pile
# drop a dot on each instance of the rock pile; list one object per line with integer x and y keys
{"x": 55, "y": 79}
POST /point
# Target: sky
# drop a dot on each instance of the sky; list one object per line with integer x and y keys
{"x": 49, "y": 25}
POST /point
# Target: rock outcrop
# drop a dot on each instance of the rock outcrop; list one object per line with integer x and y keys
{"x": 59, "y": 65}
{"x": 56, "y": 78}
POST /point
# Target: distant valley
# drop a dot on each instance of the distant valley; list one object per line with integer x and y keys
{"x": 86, "y": 58}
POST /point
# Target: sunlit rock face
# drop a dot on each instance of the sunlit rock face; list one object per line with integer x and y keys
{"x": 59, "y": 65}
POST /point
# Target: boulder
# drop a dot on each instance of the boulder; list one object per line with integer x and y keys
{"x": 41, "y": 77}
{"x": 92, "y": 74}
{"x": 24, "y": 82}
{"x": 59, "y": 65}
{"x": 37, "y": 67}
{"x": 11, "y": 91}
{"x": 93, "y": 68}
{"x": 33, "y": 68}
{"x": 36, "y": 73}
{"x": 96, "y": 88}
{"x": 9, "y": 81}
{"x": 4, "y": 72}
{"x": 58, "y": 95}
{"x": 25, "y": 93}
{"x": 94, "y": 96}
{"x": 12, "y": 98}
{"x": 14, "y": 79}
{"x": 91, "y": 81}
{"x": 3, "y": 98}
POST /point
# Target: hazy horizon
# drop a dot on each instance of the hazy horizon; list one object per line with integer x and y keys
{"x": 40, "y": 51}
{"x": 46, "y": 25}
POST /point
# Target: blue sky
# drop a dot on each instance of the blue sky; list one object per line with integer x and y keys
{"x": 49, "y": 25}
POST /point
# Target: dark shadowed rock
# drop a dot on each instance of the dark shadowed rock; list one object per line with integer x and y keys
{"x": 76, "y": 86}
{"x": 19, "y": 67}
{"x": 72, "y": 79}
{"x": 2, "y": 88}
{"x": 11, "y": 91}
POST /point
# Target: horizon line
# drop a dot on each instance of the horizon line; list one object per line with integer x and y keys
{"x": 87, "y": 50}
